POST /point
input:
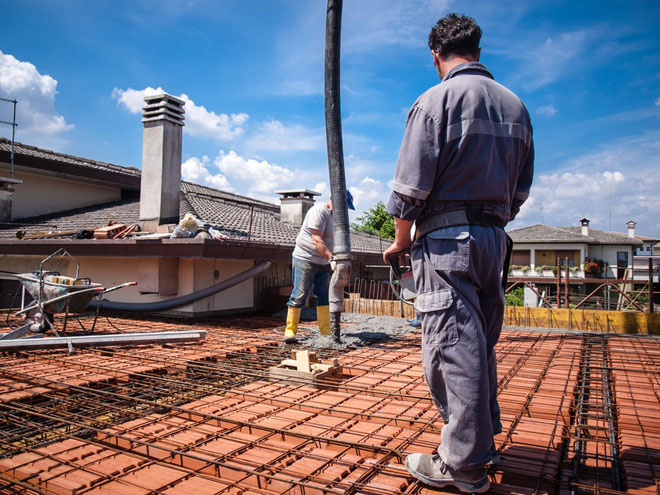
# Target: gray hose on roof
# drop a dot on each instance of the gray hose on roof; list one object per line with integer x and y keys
{"x": 182, "y": 300}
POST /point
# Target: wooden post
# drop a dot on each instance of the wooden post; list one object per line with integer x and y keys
{"x": 651, "y": 295}
{"x": 558, "y": 283}
{"x": 566, "y": 286}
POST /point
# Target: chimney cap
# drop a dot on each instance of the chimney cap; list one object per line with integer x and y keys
{"x": 163, "y": 107}
{"x": 298, "y": 193}
{"x": 631, "y": 223}
{"x": 585, "y": 221}
{"x": 164, "y": 96}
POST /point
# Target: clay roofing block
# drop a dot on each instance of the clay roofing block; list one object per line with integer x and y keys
{"x": 197, "y": 486}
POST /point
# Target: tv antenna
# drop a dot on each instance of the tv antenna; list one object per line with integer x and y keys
{"x": 13, "y": 125}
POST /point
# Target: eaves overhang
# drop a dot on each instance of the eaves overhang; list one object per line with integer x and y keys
{"x": 74, "y": 171}
{"x": 169, "y": 248}
{"x": 589, "y": 242}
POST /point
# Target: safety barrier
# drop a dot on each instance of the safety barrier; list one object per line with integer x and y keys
{"x": 583, "y": 320}
{"x": 631, "y": 322}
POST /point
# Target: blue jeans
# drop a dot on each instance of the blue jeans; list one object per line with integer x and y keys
{"x": 308, "y": 277}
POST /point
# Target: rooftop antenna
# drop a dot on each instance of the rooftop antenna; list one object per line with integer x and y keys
{"x": 13, "y": 125}
{"x": 541, "y": 211}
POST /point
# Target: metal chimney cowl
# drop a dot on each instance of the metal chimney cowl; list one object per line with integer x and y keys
{"x": 163, "y": 119}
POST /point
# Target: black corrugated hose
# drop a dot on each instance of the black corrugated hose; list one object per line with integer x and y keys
{"x": 342, "y": 240}
{"x": 187, "y": 299}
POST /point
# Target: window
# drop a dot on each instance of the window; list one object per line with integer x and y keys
{"x": 621, "y": 263}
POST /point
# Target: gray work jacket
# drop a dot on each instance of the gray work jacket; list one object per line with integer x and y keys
{"x": 468, "y": 142}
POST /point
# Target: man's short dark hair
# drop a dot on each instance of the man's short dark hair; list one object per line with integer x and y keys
{"x": 455, "y": 35}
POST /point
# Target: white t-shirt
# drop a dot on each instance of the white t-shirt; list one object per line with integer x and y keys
{"x": 319, "y": 217}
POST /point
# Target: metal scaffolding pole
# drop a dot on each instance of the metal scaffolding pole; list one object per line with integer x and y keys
{"x": 101, "y": 340}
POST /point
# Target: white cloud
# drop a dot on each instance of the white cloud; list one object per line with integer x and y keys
{"x": 548, "y": 110}
{"x": 38, "y": 121}
{"x": 275, "y": 136}
{"x": 197, "y": 170}
{"x": 257, "y": 178}
{"x": 253, "y": 177}
{"x": 657, "y": 102}
{"x": 199, "y": 121}
{"x": 321, "y": 187}
{"x": 610, "y": 186}
{"x": 367, "y": 193}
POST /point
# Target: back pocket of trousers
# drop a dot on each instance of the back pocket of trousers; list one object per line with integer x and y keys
{"x": 449, "y": 249}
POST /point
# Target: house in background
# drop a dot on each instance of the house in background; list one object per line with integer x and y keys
{"x": 51, "y": 191}
{"x": 541, "y": 245}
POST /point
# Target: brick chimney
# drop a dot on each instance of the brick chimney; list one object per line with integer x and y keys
{"x": 295, "y": 203}
{"x": 585, "y": 227}
{"x": 162, "y": 116}
{"x": 631, "y": 228}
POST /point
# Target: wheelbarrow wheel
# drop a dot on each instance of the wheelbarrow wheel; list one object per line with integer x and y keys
{"x": 46, "y": 324}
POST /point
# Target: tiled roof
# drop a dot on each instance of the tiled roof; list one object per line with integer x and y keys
{"x": 547, "y": 233}
{"x": 605, "y": 237}
{"x": 88, "y": 217}
{"x": 236, "y": 216}
{"x": 229, "y": 213}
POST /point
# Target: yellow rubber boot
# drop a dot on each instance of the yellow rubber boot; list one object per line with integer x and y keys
{"x": 292, "y": 318}
{"x": 323, "y": 317}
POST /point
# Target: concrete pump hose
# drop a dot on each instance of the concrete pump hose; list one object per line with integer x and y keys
{"x": 183, "y": 300}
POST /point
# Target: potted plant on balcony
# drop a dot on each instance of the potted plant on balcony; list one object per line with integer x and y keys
{"x": 575, "y": 272}
{"x": 525, "y": 269}
{"x": 548, "y": 271}
{"x": 516, "y": 271}
{"x": 539, "y": 271}
{"x": 592, "y": 269}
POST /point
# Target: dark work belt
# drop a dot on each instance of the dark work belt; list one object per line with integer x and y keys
{"x": 462, "y": 216}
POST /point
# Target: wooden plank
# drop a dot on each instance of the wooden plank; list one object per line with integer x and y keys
{"x": 303, "y": 362}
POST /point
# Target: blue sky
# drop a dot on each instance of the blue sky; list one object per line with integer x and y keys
{"x": 251, "y": 73}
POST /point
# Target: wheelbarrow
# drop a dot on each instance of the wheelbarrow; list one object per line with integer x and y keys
{"x": 54, "y": 293}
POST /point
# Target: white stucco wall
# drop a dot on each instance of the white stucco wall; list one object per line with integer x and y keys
{"x": 240, "y": 296}
{"x": 42, "y": 194}
{"x": 194, "y": 274}
{"x": 608, "y": 253}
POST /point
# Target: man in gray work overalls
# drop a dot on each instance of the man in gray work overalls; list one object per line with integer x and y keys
{"x": 464, "y": 169}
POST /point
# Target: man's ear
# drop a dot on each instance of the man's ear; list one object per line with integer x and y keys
{"x": 436, "y": 59}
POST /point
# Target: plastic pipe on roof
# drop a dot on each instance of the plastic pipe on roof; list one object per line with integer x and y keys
{"x": 187, "y": 299}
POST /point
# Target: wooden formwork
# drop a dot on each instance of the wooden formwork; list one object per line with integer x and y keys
{"x": 630, "y": 322}
{"x": 356, "y": 304}
{"x": 584, "y": 320}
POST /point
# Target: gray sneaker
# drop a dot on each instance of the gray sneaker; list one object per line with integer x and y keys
{"x": 494, "y": 456}
{"x": 429, "y": 469}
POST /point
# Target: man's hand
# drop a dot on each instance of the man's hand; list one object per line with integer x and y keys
{"x": 395, "y": 248}
{"x": 402, "y": 240}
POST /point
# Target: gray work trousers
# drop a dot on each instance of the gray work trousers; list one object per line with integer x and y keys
{"x": 460, "y": 297}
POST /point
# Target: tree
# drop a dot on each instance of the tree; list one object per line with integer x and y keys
{"x": 375, "y": 221}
